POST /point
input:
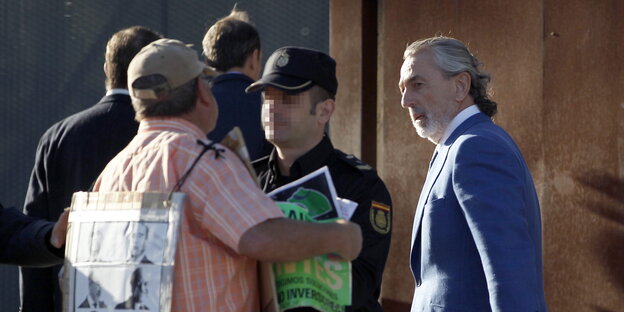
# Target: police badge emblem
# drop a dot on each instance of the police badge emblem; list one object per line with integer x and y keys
{"x": 380, "y": 217}
{"x": 282, "y": 59}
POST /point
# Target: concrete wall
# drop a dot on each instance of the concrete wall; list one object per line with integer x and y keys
{"x": 557, "y": 69}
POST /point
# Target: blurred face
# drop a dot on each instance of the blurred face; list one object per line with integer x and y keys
{"x": 427, "y": 95}
{"x": 94, "y": 289}
{"x": 96, "y": 242}
{"x": 287, "y": 118}
{"x": 140, "y": 287}
{"x": 140, "y": 237}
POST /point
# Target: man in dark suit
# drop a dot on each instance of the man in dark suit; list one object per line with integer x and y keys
{"x": 30, "y": 242}
{"x": 232, "y": 47}
{"x": 73, "y": 152}
{"x": 93, "y": 300}
{"x": 140, "y": 234}
{"x": 476, "y": 240}
{"x": 136, "y": 301}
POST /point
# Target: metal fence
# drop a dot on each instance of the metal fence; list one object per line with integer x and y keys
{"x": 52, "y": 54}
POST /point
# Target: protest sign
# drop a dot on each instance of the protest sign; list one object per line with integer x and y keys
{"x": 120, "y": 251}
{"x": 322, "y": 282}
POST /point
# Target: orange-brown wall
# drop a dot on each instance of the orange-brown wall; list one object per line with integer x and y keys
{"x": 558, "y": 75}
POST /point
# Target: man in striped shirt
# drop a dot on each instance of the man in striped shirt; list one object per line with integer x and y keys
{"x": 228, "y": 222}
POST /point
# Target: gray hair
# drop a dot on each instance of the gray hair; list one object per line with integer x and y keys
{"x": 179, "y": 101}
{"x": 452, "y": 57}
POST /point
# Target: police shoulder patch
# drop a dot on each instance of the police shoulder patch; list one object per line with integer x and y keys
{"x": 355, "y": 162}
{"x": 380, "y": 217}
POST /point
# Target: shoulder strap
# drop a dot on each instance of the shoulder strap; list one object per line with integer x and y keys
{"x": 182, "y": 179}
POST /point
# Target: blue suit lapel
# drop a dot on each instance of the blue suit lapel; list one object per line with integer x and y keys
{"x": 432, "y": 176}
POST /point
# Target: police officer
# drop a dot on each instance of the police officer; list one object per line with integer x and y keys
{"x": 299, "y": 87}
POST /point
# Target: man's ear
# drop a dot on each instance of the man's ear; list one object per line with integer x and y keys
{"x": 325, "y": 109}
{"x": 253, "y": 63}
{"x": 462, "y": 85}
{"x": 204, "y": 97}
{"x": 255, "y": 56}
{"x": 105, "y": 70}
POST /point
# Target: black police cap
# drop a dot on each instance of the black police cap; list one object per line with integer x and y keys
{"x": 295, "y": 70}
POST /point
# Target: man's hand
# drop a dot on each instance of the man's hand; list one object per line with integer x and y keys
{"x": 59, "y": 232}
{"x": 351, "y": 240}
{"x": 282, "y": 239}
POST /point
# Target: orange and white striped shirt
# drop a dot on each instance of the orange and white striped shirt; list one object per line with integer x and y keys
{"x": 224, "y": 202}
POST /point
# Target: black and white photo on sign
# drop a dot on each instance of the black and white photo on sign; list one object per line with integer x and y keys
{"x": 138, "y": 238}
{"x": 121, "y": 242}
{"x": 91, "y": 238}
{"x": 93, "y": 300}
{"x": 138, "y": 299}
{"x": 129, "y": 288}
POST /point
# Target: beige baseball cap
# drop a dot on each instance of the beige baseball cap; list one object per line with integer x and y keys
{"x": 162, "y": 66}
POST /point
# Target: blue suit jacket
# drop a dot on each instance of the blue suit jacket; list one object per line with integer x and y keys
{"x": 239, "y": 109}
{"x": 476, "y": 241}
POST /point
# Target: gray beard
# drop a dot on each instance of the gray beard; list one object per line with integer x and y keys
{"x": 432, "y": 131}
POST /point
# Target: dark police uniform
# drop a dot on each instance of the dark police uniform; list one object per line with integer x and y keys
{"x": 355, "y": 181}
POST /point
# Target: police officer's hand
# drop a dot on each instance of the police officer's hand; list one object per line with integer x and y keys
{"x": 351, "y": 240}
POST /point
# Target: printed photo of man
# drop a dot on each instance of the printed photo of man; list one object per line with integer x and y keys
{"x": 138, "y": 298}
{"x": 93, "y": 300}
{"x": 139, "y": 235}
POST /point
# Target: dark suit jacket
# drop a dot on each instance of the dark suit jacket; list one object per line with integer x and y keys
{"x": 128, "y": 305}
{"x": 145, "y": 260}
{"x": 85, "y": 304}
{"x": 25, "y": 241}
{"x": 477, "y": 239}
{"x": 70, "y": 156}
{"x": 237, "y": 108}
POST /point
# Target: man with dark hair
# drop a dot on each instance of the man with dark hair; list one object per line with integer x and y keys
{"x": 139, "y": 236}
{"x": 299, "y": 87}
{"x": 228, "y": 222}
{"x": 232, "y": 47}
{"x": 137, "y": 300}
{"x": 477, "y": 235}
{"x": 30, "y": 242}
{"x": 74, "y": 151}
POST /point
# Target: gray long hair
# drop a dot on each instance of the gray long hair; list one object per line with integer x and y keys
{"x": 453, "y": 57}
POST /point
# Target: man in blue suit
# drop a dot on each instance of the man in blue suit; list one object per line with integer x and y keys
{"x": 232, "y": 47}
{"x": 476, "y": 241}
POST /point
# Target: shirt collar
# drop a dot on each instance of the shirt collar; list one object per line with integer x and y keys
{"x": 117, "y": 91}
{"x": 173, "y": 124}
{"x": 232, "y": 76}
{"x": 307, "y": 163}
{"x": 458, "y": 120}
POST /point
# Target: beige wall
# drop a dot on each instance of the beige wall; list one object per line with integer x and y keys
{"x": 558, "y": 76}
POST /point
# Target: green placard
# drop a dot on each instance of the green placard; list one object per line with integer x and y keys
{"x": 323, "y": 282}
